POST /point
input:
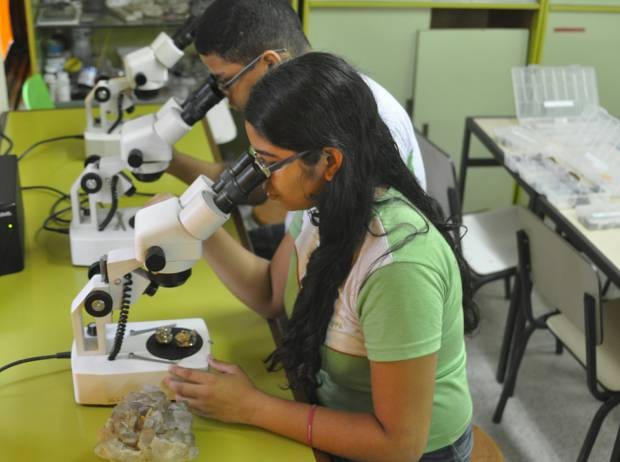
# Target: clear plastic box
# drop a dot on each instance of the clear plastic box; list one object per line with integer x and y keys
{"x": 594, "y": 150}
{"x": 547, "y": 177}
{"x": 599, "y": 215}
{"x": 551, "y": 92}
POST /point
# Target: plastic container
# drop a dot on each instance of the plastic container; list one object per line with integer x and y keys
{"x": 63, "y": 87}
{"x": 545, "y": 92}
{"x": 599, "y": 215}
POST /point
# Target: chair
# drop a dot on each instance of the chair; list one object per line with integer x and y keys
{"x": 582, "y": 321}
{"x": 35, "y": 93}
{"x": 488, "y": 246}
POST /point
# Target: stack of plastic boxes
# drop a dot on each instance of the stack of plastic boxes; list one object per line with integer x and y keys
{"x": 565, "y": 146}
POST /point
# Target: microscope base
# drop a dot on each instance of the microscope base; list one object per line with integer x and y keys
{"x": 88, "y": 244}
{"x": 97, "y": 380}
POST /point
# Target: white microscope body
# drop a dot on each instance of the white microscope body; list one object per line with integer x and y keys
{"x": 113, "y": 359}
{"x": 144, "y": 146}
{"x": 145, "y": 69}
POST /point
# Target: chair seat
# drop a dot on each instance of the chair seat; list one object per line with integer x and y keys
{"x": 607, "y": 354}
{"x": 489, "y": 245}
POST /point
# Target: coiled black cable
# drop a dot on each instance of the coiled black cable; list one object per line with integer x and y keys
{"x": 122, "y": 318}
{"x": 119, "y": 117}
{"x": 113, "y": 206}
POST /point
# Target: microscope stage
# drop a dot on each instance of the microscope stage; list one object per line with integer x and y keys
{"x": 97, "y": 380}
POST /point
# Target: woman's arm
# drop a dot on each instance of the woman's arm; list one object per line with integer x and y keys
{"x": 402, "y": 393}
{"x": 257, "y": 282}
{"x": 187, "y": 168}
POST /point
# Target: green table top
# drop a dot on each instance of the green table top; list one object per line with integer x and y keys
{"x": 39, "y": 421}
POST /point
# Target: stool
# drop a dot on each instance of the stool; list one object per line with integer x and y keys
{"x": 485, "y": 449}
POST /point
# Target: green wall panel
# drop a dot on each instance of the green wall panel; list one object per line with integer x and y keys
{"x": 588, "y": 3}
{"x": 466, "y": 72}
{"x": 588, "y": 39}
{"x": 379, "y": 42}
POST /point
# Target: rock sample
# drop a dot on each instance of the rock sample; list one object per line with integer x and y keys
{"x": 146, "y": 426}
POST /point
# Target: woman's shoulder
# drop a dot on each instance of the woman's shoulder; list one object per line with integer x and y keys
{"x": 408, "y": 233}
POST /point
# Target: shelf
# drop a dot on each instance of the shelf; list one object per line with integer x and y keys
{"x": 107, "y": 19}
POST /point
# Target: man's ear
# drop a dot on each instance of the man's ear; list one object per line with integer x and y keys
{"x": 333, "y": 158}
{"x": 271, "y": 58}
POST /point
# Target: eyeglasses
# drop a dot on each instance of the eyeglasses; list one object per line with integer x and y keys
{"x": 224, "y": 86}
{"x": 279, "y": 164}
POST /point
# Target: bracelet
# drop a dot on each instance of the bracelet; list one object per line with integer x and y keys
{"x": 309, "y": 426}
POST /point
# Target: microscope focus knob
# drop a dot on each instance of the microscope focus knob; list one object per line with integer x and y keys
{"x": 102, "y": 94}
{"x": 135, "y": 158}
{"x": 140, "y": 79}
{"x": 155, "y": 259}
{"x": 91, "y": 182}
{"x": 98, "y": 303}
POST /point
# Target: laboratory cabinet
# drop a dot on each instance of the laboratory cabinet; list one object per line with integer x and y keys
{"x": 466, "y": 72}
{"x": 589, "y": 38}
{"x": 381, "y": 43}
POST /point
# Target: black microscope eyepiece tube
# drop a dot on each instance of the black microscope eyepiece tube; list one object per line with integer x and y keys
{"x": 185, "y": 35}
{"x": 233, "y": 170}
{"x": 200, "y": 101}
{"x": 239, "y": 186}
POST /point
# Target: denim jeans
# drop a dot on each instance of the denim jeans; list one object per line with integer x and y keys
{"x": 459, "y": 451}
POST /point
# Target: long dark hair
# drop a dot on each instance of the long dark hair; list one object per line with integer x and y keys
{"x": 315, "y": 101}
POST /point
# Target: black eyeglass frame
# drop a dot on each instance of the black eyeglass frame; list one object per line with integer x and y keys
{"x": 225, "y": 86}
{"x": 279, "y": 164}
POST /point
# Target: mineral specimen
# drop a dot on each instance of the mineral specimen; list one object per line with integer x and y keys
{"x": 146, "y": 426}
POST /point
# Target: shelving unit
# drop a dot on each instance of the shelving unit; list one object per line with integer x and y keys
{"x": 104, "y": 35}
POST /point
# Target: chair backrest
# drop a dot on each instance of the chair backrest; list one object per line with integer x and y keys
{"x": 35, "y": 93}
{"x": 441, "y": 181}
{"x": 560, "y": 274}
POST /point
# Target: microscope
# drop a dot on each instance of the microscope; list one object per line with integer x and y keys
{"x": 108, "y": 360}
{"x": 144, "y": 147}
{"x": 146, "y": 69}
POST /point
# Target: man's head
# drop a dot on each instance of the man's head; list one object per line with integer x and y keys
{"x": 233, "y": 34}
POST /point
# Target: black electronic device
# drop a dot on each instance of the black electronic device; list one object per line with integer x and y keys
{"x": 12, "y": 247}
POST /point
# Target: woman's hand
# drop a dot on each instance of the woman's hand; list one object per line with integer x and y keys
{"x": 224, "y": 393}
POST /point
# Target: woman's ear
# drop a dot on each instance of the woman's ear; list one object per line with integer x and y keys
{"x": 333, "y": 159}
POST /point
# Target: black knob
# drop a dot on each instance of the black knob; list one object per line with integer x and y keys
{"x": 98, "y": 303}
{"x": 134, "y": 159}
{"x": 155, "y": 259}
{"x": 130, "y": 109}
{"x": 140, "y": 79}
{"x": 91, "y": 182}
{"x": 92, "y": 159}
{"x": 91, "y": 329}
{"x": 93, "y": 269}
{"x": 151, "y": 289}
{"x": 102, "y": 94}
